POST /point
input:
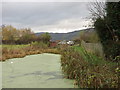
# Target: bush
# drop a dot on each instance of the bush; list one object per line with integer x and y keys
{"x": 86, "y": 73}
{"x": 39, "y": 45}
{"x": 108, "y": 29}
{"x": 112, "y": 51}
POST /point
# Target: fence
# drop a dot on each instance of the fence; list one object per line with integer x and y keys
{"x": 95, "y": 48}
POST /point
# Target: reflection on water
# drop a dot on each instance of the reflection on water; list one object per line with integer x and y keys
{"x": 35, "y": 71}
{"x": 56, "y": 75}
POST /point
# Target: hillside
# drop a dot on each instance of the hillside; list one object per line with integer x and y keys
{"x": 66, "y": 36}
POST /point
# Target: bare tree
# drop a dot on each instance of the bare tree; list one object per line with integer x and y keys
{"x": 97, "y": 9}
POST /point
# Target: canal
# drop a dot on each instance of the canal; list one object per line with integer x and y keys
{"x": 34, "y": 71}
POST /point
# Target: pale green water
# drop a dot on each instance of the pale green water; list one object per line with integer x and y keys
{"x": 35, "y": 71}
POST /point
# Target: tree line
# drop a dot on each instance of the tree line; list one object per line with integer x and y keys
{"x": 12, "y": 35}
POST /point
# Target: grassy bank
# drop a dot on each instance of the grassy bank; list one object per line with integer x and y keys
{"x": 89, "y": 71}
{"x": 19, "y": 51}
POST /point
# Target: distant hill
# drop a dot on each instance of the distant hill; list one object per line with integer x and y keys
{"x": 67, "y": 36}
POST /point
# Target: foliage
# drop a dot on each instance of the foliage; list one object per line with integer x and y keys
{"x": 108, "y": 29}
{"x": 88, "y": 71}
{"x": 39, "y": 45}
{"x": 89, "y": 36}
{"x": 113, "y": 17}
{"x": 11, "y": 35}
{"x": 45, "y": 37}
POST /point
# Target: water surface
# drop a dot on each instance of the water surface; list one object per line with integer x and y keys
{"x": 34, "y": 71}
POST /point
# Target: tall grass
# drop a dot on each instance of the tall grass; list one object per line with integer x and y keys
{"x": 94, "y": 48}
{"x": 19, "y": 51}
{"x": 88, "y": 72}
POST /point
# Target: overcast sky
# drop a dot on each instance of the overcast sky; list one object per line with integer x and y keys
{"x": 46, "y": 16}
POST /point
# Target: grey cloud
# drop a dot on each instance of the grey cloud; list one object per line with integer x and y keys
{"x": 34, "y": 14}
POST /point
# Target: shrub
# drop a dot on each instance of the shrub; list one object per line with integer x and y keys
{"x": 112, "y": 50}
{"x": 108, "y": 29}
{"x": 39, "y": 45}
{"x": 86, "y": 73}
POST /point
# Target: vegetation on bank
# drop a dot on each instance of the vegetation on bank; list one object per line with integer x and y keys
{"x": 88, "y": 70}
{"x": 18, "y": 43}
{"x": 19, "y": 51}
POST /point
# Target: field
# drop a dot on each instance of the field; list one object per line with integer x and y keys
{"x": 14, "y": 46}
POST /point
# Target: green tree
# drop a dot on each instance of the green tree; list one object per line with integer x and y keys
{"x": 108, "y": 29}
{"x": 45, "y": 37}
{"x": 113, "y": 18}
